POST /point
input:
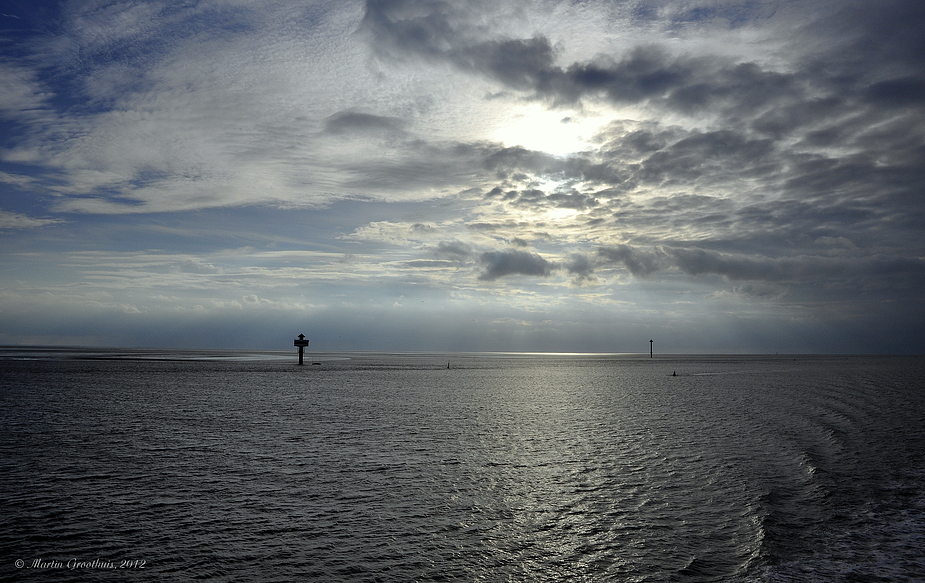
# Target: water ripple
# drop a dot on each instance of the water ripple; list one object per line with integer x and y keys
{"x": 501, "y": 469}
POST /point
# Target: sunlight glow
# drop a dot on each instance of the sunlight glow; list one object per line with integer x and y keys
{"x": 560, "y": 214}
{"x": 554, "y": 132}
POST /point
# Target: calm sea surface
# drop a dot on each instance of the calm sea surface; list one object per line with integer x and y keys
{"x": 233, "y": 466}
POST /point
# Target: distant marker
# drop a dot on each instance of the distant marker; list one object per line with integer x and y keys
{"x": 650, "y": 348}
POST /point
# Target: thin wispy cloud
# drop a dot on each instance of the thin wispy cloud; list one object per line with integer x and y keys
{"x": 611, "y": 170}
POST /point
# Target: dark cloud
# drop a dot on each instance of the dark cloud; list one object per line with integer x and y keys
{"x": 807, "y": 113}
{"x": 453, "y": 251}
{"x": 347, "y": 122}
{"x": 507, "y": 161}
{"x": 865, "y": 36}
{"x": 848, "y": 278}
{"x": 581, "y": 266}
{"x": 741, "y": 89}
{"x": 513, "y": 262}
{"x": 898, "y": 92}
{"x": 856, "y": 42}
{"x": 537, "y": 199}
{"x": 417, "y": 27}
{"x": 846, "y": 275}
{"x": 701, "y": 154}
{"x": 646, "y": 72}
{"x": 523, "y": 64}
{"x": 799, "y": 268}
{"x": 433, "y": 30}
{"x": 640, "y": 263}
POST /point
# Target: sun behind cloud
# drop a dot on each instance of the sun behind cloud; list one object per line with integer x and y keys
{"x": 535, "y": 127}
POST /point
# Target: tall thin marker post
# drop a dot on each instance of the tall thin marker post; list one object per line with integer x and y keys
{"x": 301, "y": 343}
{"x": 650, "y": 348}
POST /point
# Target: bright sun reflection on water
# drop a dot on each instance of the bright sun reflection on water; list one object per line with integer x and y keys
{"x": 554, "y": 132}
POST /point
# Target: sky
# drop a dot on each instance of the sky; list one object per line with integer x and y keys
{"x": 718, "y": 176}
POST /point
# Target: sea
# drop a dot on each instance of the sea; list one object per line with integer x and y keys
{"x": 158, "y": 465}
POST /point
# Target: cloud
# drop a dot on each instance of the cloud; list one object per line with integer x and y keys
{"x": 760, "y": 291}
{"x": 499, "y": 264}
{"x": 761, "y": 157}
{"x": 22, "y": 95}
{"x": 683, "y": 83}
{"x": 19, "y": 180}
{"x": 437, "y": 32}
{"x": 455, "y": 251}
{"x": 395, "y": 233}
{"x": 346, "y": 122}
{"x": 434, "y": 31}
{"x": 429, "y": 263}
{"x": 10, "y": 220}
{"x": 173, "y": 108}
{"x": 841, "y": 242}
{"x": 639, "y": 262}
{"x": 766, "y": 275}
{"x": 800, "y": 268}
{"x": 581, "y": 266}
{"x": 538, "y": 199}
{"x": 254, "y": 299}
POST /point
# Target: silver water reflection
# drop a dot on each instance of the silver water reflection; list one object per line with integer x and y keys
{"x": 515, "y": 467}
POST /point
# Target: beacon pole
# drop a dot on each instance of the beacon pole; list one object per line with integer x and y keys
{"x": 301, "y": 343}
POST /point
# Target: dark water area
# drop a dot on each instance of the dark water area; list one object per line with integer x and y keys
{"x": 234, "y": 466}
